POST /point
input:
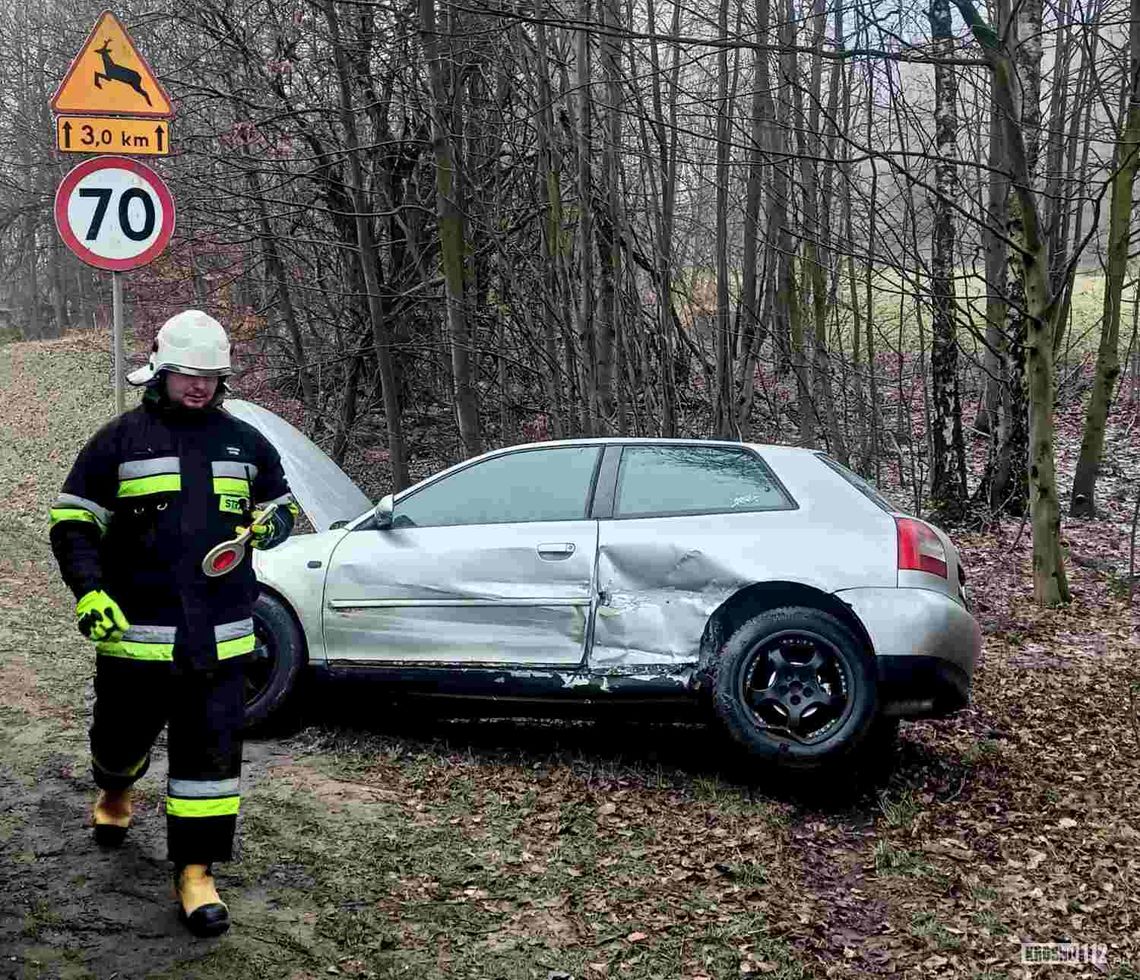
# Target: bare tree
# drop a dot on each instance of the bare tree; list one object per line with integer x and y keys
{"x": 1126, "y": 161}
{"x": 1050, "y": 585}
{"x": 366, "y": 254}
{"x": 948, "y": 469}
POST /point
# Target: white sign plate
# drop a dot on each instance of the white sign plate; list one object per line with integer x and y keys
{"x": 114, "y": 213}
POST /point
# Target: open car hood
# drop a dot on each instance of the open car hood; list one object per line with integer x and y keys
{"x": 321, "y": 488}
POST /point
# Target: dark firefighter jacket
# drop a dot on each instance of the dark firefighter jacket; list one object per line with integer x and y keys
{"x": 151, "y": 493}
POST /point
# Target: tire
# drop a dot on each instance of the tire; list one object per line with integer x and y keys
{"x": 274, "y": 667}
{"x": 795, "y": 687}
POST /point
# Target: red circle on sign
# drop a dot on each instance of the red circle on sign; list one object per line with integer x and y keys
{"x": 155, "y": 183}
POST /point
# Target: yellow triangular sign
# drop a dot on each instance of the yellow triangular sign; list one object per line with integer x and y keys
{"x": 110, "y": 77}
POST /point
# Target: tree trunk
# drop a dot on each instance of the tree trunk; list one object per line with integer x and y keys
{"x": 666, "y": 133}
{"x": 722, "y": 410}
{"x": 1057, "y": 199}
{"x": 283, "y": 295}
{"x": 789, "y": 321}
{"x": 555, "y": 312}
{"x": 755, "y": 185}
{"x": 993, "y": 358}
{"x": 587, "y": 349}
{"x": 347, "y": 417}
{"x": 367, "y": 257}
{"x": 755, "y": 329}
{"x": 816, "y": 246}
{"x": 948, "y": 469}
{"x": 1009, "y": 487}
{"x": 1126, "y": 161}
{"x": 451, "y": 240}
{"x": 609, "y": 225}
{"x": 1050, "y": 585}
{"x": 1079, "y": 136}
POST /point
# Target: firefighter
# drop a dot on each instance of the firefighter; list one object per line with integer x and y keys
{"x": 149, "y": 495}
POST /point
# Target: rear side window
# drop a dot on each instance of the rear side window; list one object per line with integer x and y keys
{"x": 533, "y": 485}
{"x": 868, "y": 490}
{"x": 677, "y": 480}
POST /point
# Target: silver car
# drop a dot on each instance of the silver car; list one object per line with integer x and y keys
{"x": 768, "y": 585}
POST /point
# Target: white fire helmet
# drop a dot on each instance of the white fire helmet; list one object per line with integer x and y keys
{"x": 191, "y": 342}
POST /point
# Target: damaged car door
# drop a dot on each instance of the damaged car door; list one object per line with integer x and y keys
{"x": 490, "y": 563}
{"x": 691, "y": 524}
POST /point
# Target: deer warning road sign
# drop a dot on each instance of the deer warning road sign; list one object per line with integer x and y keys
{"x": 110, "y": 78}
{"x": 114, "y": 213}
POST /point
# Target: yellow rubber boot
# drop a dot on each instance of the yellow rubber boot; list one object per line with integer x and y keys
{"x": 204, "y": 913}
{"x": 111, "y": 816}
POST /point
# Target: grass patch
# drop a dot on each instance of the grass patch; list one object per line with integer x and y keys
{"x": 749, "y": 874}
{"x": 988, "y": 919}
{"x": 981, "y": 751}
{"x": 983, "y": 893}
{"x": 899, "y": 303}
{"x": 39, "y": 918}
{"x": 892, "y": 860}
{"x": 925, "y": 925}
{"x": 901, "y": 810}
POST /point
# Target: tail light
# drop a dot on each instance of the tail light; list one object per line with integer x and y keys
{"x": 920, "y": 549}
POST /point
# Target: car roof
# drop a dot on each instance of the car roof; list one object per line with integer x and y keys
{"x": 655, "y": 441}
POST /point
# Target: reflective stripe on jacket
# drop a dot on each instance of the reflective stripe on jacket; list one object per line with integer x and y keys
{"x": 149, "y": 495}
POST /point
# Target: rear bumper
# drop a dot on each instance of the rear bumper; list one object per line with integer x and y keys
{"x": 921, "y": 687}
{"x": 926, "y": 645}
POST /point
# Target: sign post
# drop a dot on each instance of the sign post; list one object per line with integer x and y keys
{"x": 117, "y": 341}
{"x": 112, "y": 212}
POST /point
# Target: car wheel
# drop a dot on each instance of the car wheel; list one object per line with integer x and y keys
{"x": 796, "y": 687}
{"x": 272, "y": 670}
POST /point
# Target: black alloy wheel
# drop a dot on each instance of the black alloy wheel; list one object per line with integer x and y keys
{"x": 797, "y": 684}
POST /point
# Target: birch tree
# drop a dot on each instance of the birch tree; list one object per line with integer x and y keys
{"x": 948, "y": 470}
{"x": 1126, "y": 161}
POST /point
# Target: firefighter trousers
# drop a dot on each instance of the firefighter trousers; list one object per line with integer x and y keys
{"x": 134, "y": 699}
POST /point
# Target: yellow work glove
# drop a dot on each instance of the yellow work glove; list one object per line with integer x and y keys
{"x": 100, "y": 618}
{"x": 261, "y": 532}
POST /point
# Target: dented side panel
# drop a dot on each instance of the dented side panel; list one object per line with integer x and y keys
{"x": 484, "y": 594}
{"x": 661, "y": 578}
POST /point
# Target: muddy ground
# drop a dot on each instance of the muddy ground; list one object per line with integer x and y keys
{"x": 380, "y": 843}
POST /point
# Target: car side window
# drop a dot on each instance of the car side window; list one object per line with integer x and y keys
{"x": 677, "y": 480}
{"x": 868, "y": 490}
{"x": 525, "y": 486}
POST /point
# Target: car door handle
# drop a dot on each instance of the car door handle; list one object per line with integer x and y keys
{"x": 559, "y": 551}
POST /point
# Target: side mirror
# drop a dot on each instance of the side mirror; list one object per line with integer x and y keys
{"x": 383, "y": 513}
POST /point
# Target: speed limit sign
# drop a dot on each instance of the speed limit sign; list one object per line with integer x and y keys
{"x": 114, "y": 213}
